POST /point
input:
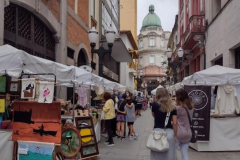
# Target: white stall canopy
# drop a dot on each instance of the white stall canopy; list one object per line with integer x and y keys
{"x": 214, "y": 75}
{"x": 155, "y": 90}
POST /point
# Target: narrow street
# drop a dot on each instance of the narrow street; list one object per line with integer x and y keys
{"x": 136, "y": 149}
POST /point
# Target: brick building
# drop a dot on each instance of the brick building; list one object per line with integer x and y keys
{"x": 51, "y": 29}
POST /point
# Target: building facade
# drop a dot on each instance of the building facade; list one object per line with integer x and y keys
{"x": 51, "y": 29}
{"x": 222, "y": 33}
{"x": 152, "y": 44}
{"x": 128, "y": 10}
{"x": 128, "y": 16}
{"x": 172, "y": 44}
{"x": 191, "y": 36}
{"x": 128, "y": 68}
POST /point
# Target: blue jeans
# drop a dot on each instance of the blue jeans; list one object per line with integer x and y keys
{"x": 184, "y": 150}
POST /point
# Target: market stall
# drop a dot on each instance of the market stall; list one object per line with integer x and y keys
{"x": 15, "y": 62}
{"x": 153, "y": 92}
{"x": 217, "y": 126}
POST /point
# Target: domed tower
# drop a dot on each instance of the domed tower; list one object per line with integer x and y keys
{"x": 152, "y": 44}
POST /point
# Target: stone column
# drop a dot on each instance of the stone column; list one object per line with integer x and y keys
{"x": 61, "y": 47}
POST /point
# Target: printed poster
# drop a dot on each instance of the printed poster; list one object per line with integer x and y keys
{"x": 201, "y": 97}
{"x": 33, "y": 121}
{"x": 3, "y": 82}
{"x": 28, "y": 88}
{"x": 32, "y": 150}
{"x": 46, "y": 92}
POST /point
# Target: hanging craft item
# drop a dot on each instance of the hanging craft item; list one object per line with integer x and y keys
{"x": 82, "y": 96}
{"x": 89, "y": 143}
{"x": 99, "y": 90}
{"x": 28, "y": 88}
{"x": 46, "y": 91}
{"x": 39, "y": 122}
{"x": 70, "y": 141}
{"x": 36, "y": 150}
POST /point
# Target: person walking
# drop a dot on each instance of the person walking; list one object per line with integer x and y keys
{"x": 184, "y": 133}
{"x": 115, "y": 100}
{"x": 151, "y": 101}
{"x": 130, "y": 118}
{"x": 144, "y": 104}
{"x": 139, "y": 101}
{"x": 109, "y": 116}
{"x": 160, "y": 109}
{"x": 121, "y": 117}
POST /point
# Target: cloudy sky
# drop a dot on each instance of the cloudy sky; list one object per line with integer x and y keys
{"x": 165, "y": 9}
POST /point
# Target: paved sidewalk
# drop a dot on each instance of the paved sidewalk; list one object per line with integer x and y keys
{"x": 136, "y": 149}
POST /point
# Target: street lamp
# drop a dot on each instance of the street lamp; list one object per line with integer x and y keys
{"x": 174, "y": 64}
{"x": 138, "y": 75}
{"x": 93, "y": 37}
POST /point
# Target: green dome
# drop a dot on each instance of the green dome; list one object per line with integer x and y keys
{"x": 151, "y": 18}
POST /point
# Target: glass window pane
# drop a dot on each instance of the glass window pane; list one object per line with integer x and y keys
{"x": 152, "y": 59}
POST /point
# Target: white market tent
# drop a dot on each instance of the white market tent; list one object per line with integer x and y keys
{"x": 214, "y": 75}
{"x": 155, "y": 90}
{"x": 14, "y": 62}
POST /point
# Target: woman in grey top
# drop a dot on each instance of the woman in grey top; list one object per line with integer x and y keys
{"x": 130, "y": 117}
{"x": 184, "y": 133}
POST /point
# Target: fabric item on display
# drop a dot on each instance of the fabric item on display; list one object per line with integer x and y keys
{"x": 226, "y": 100}
{"x": 46, "y": 91}
{"x": 82, "y": 96}
{"x": 30, "y": 150}
{"x": 238, "y": 93}
{"x": 28, "y": 88}
{"x": 213, "y": 98}
{"x": 35, "y": 121}
{"x": 99, "y": 90}
{"x": 6, "y": 146}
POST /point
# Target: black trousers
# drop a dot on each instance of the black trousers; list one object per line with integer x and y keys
{"x": 109, "y": 124}
{"x": 114, "y": 126}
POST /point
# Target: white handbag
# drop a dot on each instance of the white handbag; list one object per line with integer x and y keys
{"x": 157, "y": 141}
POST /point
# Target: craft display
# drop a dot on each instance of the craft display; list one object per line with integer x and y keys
{"x": 82, "y": 96}
{"x": 34, "y": 121}
{"x": 28, "y": 88}
{"x": 70, "y": 141}
{"x": 46, "y": 92}
{"x": 35, "y": 150}
{"x": 86, "y": 129}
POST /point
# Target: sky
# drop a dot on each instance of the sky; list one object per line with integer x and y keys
{"x": 165, "y": 9}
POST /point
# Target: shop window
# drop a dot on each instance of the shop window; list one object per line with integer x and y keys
{"x": 140, "y": 43}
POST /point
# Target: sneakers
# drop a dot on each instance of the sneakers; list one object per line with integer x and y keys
{"x": 130, "y": 138}
{"x": 110, "y": 144}
{"x": 122, "y": 138}
{"x": 106, "y": 142}
{"x": 119, "y": 137}
{"x": 136, "y": 136}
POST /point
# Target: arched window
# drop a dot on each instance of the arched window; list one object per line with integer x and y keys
{"x": 25, "y": 31}
{"x": 81, "y": 57}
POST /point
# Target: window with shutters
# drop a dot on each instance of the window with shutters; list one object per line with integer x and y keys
{"x": 25, "y": 31}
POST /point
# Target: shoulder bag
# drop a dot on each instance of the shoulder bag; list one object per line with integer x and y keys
{"x": 194, "y": 137}
{"x": 157, "y": 141}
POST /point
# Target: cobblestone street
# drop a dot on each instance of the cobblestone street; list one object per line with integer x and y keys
{"x": 136, "y": 149}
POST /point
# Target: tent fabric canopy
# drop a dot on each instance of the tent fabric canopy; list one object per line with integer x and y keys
{"x": 14, "y": 62}
{"x": 214, "y": 75}
{"x": 153, "y": 92}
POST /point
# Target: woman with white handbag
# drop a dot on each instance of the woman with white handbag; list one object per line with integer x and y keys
{"x": 162, "y": 140}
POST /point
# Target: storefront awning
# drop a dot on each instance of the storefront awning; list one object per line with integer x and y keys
{"x": 119, "y": 51}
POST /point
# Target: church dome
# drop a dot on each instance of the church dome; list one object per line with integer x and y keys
{"x": 151, "y": 18}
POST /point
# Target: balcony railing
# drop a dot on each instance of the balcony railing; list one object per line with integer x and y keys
{"x": 196, "y": 25}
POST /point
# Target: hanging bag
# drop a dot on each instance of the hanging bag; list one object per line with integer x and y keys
{"x": 194, "y": 136}
{"x": 157, "y": 141}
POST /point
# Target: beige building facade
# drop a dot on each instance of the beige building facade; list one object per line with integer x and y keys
{"x": 152, "y": 45}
